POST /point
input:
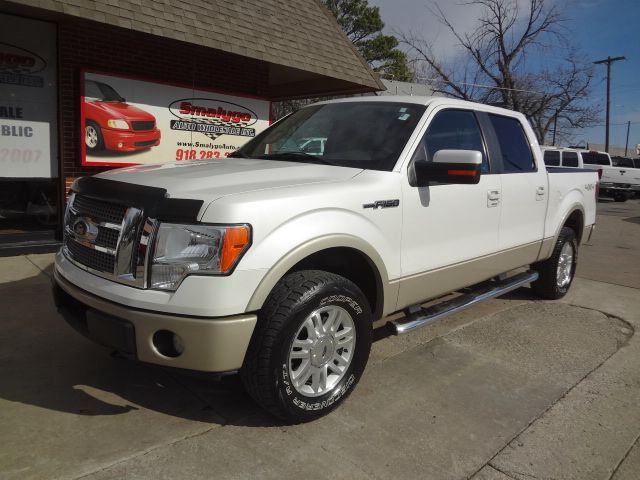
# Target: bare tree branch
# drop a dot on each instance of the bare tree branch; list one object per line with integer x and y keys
{"x": 494, "y": 68}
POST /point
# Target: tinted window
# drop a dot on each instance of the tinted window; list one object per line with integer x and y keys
{"x": 516, "y": 154}
{"x": 595, "y": 158}
{"x": 452, "y": 130}
{"x": 622, "y": 162}
{"x": 569, "y": 159}
{"x": 552, "y": 158}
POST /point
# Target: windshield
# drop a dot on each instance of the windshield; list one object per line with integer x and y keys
{"x": 101, "y": 92}
{"x": 367, "y": 135}
{"x": 595, "y": 158}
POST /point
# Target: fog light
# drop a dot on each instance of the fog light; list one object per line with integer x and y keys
{"x": 168, "y": 343}
{"x": 120, "y": 145}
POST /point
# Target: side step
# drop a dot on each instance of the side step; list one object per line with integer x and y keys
{"x": 484, "y": 291}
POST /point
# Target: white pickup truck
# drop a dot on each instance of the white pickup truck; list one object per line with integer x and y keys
{"x": 617, "y": 182}
{"x": 274, "y": 263}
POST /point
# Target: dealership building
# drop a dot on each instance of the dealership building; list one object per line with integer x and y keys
{"x": 89, "y": 86}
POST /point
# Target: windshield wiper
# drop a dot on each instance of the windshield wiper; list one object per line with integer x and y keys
{"x": 296, "y": 154}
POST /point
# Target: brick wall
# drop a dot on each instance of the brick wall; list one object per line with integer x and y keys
{"x": 94, "y": 46}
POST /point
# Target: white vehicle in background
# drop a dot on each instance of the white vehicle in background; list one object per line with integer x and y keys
{"x": 619, "y": 183}
{"x": 275, "y": 262}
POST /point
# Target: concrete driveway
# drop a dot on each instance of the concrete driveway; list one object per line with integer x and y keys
{"x": 513, "y": 388}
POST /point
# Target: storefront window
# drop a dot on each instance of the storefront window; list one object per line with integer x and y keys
{"x": 28, "y": 131}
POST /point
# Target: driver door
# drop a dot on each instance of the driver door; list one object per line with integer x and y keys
{"x": 449, "y": 231}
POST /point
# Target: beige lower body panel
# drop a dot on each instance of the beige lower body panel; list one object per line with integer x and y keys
{"x": 426, "y": 286}
{"x": 210, "y": 344}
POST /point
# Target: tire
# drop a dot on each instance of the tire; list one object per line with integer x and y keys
{"x": 93, "y": 137}
{"x": 286, "y": 377}
{"x": 620, "y": 197}
{"x": 556, "y": 273}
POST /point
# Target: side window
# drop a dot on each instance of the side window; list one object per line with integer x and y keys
{"x": 452, "y": 130}
{"x": 516, "y": 153}
{"x": 569, "y": 159}
{"x": 552, "y": 158}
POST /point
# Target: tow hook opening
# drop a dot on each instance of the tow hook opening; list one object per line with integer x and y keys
{"x": 168, "y": 343}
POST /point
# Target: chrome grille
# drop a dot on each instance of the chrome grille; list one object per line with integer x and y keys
{"x": 108, "y": 239}
{"x": 93, "y": 259}
{"x": 99, "y": 210}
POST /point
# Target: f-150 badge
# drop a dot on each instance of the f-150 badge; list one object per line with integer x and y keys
{"x": 382, "y": 204}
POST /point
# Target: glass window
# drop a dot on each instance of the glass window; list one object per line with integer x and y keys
{"x": 622, "y": 162}
{"x": 552, "y": 158}
{"x": 569, "y": 159}
{"x": 516, "y": 154}
{"x": 452, "y": 130}
{"x": 367, "y": 135}
{"x": 595, "y": 158}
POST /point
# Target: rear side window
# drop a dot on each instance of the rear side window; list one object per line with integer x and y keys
{"x": 452, "y": 130}
{"x": 595, "y": 158}
{"x": 516, "y": 154}
{"x": 552, "y": 158}
{"x": 569, "y": 159}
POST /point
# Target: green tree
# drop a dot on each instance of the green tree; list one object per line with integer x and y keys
{"x": 363, "y": 25}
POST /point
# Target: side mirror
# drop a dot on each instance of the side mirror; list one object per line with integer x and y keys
{"x": 449, "y": 166}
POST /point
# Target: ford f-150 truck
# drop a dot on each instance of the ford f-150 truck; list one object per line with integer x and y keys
{"x": 275, "y": 262}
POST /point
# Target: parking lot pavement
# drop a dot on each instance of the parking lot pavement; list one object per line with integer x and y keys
{"x": 512, "y": 388}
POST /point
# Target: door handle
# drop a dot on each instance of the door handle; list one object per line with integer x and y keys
{"x": 493, "y": 198}
{"x": 540, "y": 193}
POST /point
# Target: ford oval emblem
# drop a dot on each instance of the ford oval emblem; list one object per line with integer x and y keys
{"x": 85, "y": 229}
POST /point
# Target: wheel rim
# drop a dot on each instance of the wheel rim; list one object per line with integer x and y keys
{"x": 322, "y": 351}
{"x": 565, "y": 265}
{"x": 91, "y": 137}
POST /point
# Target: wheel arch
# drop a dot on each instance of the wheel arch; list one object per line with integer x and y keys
{"x": 347, "y": 256}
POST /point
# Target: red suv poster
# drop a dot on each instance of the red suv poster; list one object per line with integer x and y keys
{"x": 127, "y": 121}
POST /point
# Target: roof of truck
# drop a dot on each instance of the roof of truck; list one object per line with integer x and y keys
{"x": 432, "y": 101}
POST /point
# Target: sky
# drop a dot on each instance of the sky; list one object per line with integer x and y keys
{"x": 599, "y": 28}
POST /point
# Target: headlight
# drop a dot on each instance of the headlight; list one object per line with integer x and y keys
{"x": 119, "y": 124}
{"x": 181, "y": 250}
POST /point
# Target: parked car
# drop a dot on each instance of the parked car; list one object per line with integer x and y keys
{"x": 275, "y": 265}
{"x": 113, "y": 124}
{"x": 615, "y": 182}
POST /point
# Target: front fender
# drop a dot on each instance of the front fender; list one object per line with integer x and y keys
{"x": 312, "y": 232}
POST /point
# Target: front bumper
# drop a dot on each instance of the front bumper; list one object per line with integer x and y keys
{"x": 130, "y": 141}
{"x": 210, "y": 344}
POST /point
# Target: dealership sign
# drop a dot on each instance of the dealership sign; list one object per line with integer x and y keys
{"x": 128, "y": 121}
{"x": 28, "y": 97}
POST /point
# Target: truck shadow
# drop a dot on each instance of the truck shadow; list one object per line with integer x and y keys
{"x": 46, "y": 364}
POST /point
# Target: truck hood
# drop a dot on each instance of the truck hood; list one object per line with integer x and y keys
{"x": 208, "y": 180}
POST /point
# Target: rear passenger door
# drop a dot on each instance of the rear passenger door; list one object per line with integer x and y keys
{"x": 524, "y": 188}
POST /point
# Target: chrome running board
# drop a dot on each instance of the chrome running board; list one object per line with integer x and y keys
{"x": 482, "y": 292}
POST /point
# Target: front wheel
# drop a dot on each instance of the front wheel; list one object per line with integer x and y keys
{"x": 556, "y": 273}
{"x": 93, "y": 137}
{"x": 310, "y": 347}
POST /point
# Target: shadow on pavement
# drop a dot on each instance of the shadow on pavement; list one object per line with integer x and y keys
{"x": 45, "y": 363}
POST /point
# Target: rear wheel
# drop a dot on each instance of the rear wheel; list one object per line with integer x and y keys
{"x": 310, "y": 347}
{"x": 620, "y": 197}
{"x": 556, "y": 273}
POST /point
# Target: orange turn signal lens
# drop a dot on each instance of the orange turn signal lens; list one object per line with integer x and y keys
{"x": 462, "y": 173}
{"x": 236, "y": 241}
